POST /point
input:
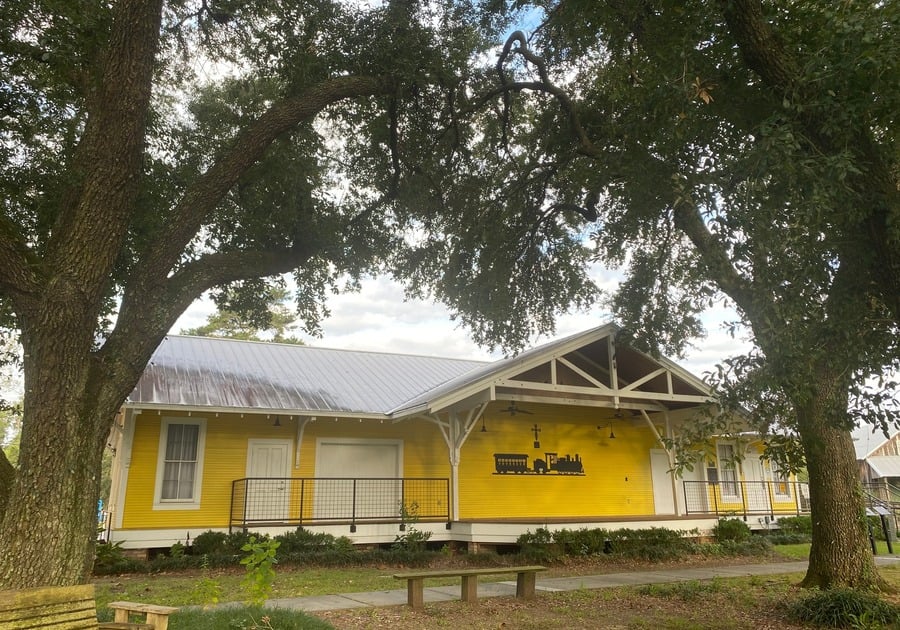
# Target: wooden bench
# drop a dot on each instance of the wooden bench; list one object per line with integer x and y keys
{"x": 55, "y": 608}
{"x": 155, "y": 616}
{"x": 415, "y": 582}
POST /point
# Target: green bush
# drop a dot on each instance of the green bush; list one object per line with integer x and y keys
{"x": 732, "y": 529}
{"x": 301, "y": 541}
{"x": 653, "y": 544}
{"x": 788, "y": 539}
{"x": 753, "y": 546}
{"x": 537, "y": 546}
{"x": 845, "y": 608}
{"x": 582, "y": 542}
{"x": 236, "y": 541}
{"x": 796, "y": 525}
{"x": 209, "y": 543}
{"x": 109, "y": 559}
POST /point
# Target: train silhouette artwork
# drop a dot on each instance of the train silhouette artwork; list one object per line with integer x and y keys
{"x": 517, "y": 463}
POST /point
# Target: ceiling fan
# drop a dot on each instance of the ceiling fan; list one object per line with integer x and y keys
{"x": 513, "y": 410}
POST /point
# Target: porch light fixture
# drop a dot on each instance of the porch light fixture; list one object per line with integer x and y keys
{"x": 536, "y": 430}
{"x": 277, "y": 422}
{"x": 612, "y": 435}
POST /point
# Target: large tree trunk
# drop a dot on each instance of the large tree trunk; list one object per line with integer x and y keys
{"x": 840, "y": 554}
{"x": 51, "y": 515}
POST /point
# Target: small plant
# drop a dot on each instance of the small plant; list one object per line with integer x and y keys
{"x": 732, "y": 529}
{"x": 411, "y": 539}
{"x": 177, "y": 550}
{"x": 259, "y": 562}
{"x": 207, "y": 591}
{"x": 846, "y": 608}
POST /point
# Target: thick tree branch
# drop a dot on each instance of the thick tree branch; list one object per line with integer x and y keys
{"x": 145, "y": 318}
{"x": 96, "y": 213}
{"x": 544, "y": 85}
{"x": 17, "y": 269}
{"x": 875, "y": 182}
{"x": 723, "y": 273}
{"x": 209, "y": 189}
{"x": 7, "y": 477}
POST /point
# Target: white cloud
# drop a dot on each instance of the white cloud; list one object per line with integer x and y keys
{"x": 380, "y": 318}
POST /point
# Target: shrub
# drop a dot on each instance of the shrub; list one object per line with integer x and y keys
{"x": 733, "y": 529}
{"x": 788, "y": 539}
{"x": 235, "y": 541}
{"x": 796, "y": 525}
{"x": 208, "y": 543}
{"x": 537, "y": 546}
{"x": 845, "y": 608}
{"x": 582, "y": 542}
{"x": 654, "y": 544}
{"x": 109, "y": 558}
{"x": 753, "y": 546}
{"x": 302, "y": 541}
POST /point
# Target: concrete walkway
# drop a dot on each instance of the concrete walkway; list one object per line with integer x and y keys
{"x": 397, "y": 597}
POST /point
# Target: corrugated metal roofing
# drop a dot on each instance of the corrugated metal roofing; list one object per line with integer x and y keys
{"x": 227, "y": 373}
{"x": 885, "y": 465}
{"x": 866, "y": 439}
{"x": 488, "y": 370}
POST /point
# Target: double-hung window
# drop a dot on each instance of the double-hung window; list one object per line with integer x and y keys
{"x": 180, "y": 463}
{"x": 728, "y": 479}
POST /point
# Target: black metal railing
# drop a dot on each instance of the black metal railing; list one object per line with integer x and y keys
{"x": 305, "y": 501}
{"x": 746, "y": 498}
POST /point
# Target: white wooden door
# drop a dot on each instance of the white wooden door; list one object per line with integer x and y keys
{"x": 663, "y": 498}
{"x": 376, "y": 465}
{"x": 268, "y": 467}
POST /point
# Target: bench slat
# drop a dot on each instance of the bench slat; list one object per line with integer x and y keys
{"x": 57, "y": 608}
{"x": 415, "y": 582}
{"x": 462, "y": 572}
{"x": 139, "y": 607}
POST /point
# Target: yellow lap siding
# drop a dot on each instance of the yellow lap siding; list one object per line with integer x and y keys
{"x": 616, "y": 481}
{"x": 225, "y": 459}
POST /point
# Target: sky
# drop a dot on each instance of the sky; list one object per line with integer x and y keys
{"x": 379, "y": 318}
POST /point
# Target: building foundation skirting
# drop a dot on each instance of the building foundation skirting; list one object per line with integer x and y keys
{"x": 474, "y": 535}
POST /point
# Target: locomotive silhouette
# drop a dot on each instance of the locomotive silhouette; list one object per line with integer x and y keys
{"x": 517, "y": 463}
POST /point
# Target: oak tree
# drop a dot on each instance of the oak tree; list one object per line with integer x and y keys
{"x": 734, "y": 149}
{"x": 153, "y": 150}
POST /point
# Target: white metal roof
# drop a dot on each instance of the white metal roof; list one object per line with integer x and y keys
{"x": 867, "y": 439}
{"x": 226, "y": 374}
{"x": 885, "y": 465}
{"x": 232, "y": 374}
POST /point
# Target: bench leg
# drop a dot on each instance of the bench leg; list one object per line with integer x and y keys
{"x": 160, "y": 622}
{"x": 121, "y": 615}
{"x": 415, "y": 593}
{"x": 469, "y": 588}
{"x": 525, "y": 585}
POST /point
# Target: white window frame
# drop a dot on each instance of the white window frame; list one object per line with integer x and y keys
{"x": 779, "y": 479}
{"x": 179, "y": 504}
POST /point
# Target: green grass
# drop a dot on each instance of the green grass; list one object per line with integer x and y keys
{"x": 245, "y": 619}
{"x": 180, "y": 590}
{"x": 801, "y": 551}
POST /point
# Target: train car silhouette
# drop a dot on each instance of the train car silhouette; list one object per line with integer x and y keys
{"x": 517, "y": 463}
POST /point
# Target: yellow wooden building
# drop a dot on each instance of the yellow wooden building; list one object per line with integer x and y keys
{"x": 224, "y": 435}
